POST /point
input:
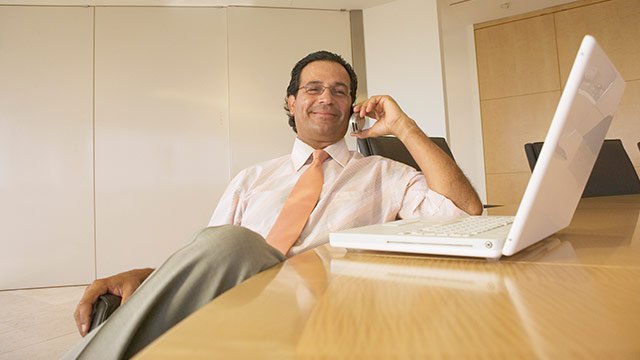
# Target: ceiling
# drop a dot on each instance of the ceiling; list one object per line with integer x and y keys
{"x": 463, "y": 8}
{"x": 477, "y": 11}
{"x": 300, "y": 4}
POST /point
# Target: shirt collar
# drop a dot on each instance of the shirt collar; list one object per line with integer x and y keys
{"x": 302, "y": 151}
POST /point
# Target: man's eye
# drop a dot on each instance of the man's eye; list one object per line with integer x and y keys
{"x": 314, "y": 90}
{"x": 340, "y": 91}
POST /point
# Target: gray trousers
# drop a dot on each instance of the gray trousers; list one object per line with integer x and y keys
{"x": 215, "y": 261}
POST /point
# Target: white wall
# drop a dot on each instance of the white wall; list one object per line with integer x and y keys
{"x": 46, "y": 135}
{"x": 161, "y": 130}
{"x": 260, "y": 65}
{"x": 463, "y": 99}
{"x": 134, "y": 117}
{"x": 404, "y": 59}
{"x": 402, "y": 47}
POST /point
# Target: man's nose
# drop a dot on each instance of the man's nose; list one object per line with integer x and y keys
{"x": 326, "y": 97}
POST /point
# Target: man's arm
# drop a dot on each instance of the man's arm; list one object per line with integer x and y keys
{"x": 441, "y": 172}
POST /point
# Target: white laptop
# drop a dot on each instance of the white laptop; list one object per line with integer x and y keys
{"x": 581, "y": 121}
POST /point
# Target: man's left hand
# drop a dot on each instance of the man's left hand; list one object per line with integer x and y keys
{"x": 390, "y": 119}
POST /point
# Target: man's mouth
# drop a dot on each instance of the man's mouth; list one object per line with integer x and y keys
{"x": 325, "y": 113}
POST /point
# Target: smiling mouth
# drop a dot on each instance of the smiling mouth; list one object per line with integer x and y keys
{"x": 324, "y": 114}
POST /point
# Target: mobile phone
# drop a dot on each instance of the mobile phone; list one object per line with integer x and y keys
{"x": 103, "y": 308}
{"x": 356, "y": 123}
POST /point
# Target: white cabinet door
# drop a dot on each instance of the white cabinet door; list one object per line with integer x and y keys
{"x": 162, "y": 147}
{"x": 264, "y": 44}
{"x": 46, "y": 146}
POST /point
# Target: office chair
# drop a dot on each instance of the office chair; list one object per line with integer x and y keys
{"x": 612, "y": 174}
{"x": 392, "y": 148}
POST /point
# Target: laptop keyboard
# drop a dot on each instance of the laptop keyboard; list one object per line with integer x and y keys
{"x": 465, "y": 227}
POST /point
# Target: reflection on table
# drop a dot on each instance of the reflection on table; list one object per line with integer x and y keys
{"x": 575, "y": 294}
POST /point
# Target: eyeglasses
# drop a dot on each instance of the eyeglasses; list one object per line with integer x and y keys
{"x": 339, "y": 91}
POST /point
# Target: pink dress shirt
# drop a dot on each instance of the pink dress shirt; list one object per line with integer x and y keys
{"x": 357, "y": 191}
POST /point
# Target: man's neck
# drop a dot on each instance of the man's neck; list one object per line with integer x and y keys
{"x": 317, "y": 145}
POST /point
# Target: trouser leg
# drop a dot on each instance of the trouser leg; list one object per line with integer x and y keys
{"x": 218, "y": 259}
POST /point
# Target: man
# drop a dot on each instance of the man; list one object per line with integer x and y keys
{"x": 355, "y": 191}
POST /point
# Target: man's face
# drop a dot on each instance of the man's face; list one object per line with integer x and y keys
{"x": 322, "y": 108}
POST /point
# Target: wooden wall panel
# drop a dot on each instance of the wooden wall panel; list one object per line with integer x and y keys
{"x": 511, "y": 122}
{"x": 517, "y": 105}
{"x": 616, "y": 26}
{"x": 507, "y": 190}
{"x": 626, "y": 123}
{"x": 517, "y": 58}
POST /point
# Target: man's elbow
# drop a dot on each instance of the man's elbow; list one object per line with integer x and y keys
{"x": 476, "y": 209}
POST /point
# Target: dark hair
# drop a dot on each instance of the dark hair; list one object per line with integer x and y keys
{"x": 294, "y": 83}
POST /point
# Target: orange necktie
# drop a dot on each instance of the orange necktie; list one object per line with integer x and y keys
{"x": 298, "y": 207}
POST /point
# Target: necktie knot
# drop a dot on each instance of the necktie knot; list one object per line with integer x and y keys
{"x": 320, "y": 155}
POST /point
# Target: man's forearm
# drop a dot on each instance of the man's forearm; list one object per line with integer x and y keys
{"x": 442, "y": 173}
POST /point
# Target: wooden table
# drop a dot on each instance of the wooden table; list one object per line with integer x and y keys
{"x": 573, "y": 295}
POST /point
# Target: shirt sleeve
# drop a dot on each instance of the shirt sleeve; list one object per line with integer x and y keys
{"x": 229, "y": 211}
{"x": 419, "y": 201}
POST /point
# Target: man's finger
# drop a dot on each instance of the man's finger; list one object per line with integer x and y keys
{"x": 126, "y": 292}
{"x": 363, "y": 134}
{"x": 83, "y": 317}
{"x": 82, "y": 314}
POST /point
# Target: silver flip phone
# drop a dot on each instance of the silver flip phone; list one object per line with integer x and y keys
{"x": 356, "y": 123}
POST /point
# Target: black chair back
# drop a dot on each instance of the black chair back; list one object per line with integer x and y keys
{"x": 613, "y": 172}
{"x": 392, "y": 148}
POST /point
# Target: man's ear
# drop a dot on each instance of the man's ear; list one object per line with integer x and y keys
{"x": 291, "y": 103}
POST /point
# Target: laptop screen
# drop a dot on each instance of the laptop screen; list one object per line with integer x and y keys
{"x": 581, "y": 121}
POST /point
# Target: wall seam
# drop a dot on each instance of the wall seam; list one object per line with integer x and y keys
{"x": 95, "y": 217}
{"x": 230, "y": 156}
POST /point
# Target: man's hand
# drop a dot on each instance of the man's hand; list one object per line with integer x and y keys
{"x": 390, "y": 119}
{"x": 123, "y": 285}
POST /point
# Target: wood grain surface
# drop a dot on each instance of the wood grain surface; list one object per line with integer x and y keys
{"x": 573, "y": 295}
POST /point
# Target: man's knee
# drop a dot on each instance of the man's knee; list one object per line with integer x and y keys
{"x": 234, "y": 251}
{"x": 230, "y": 241}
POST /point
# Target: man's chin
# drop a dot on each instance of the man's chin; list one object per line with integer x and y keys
{"x": 330, "y": 135}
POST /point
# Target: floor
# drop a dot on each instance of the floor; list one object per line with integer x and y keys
{"x": 38, "y": 323}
